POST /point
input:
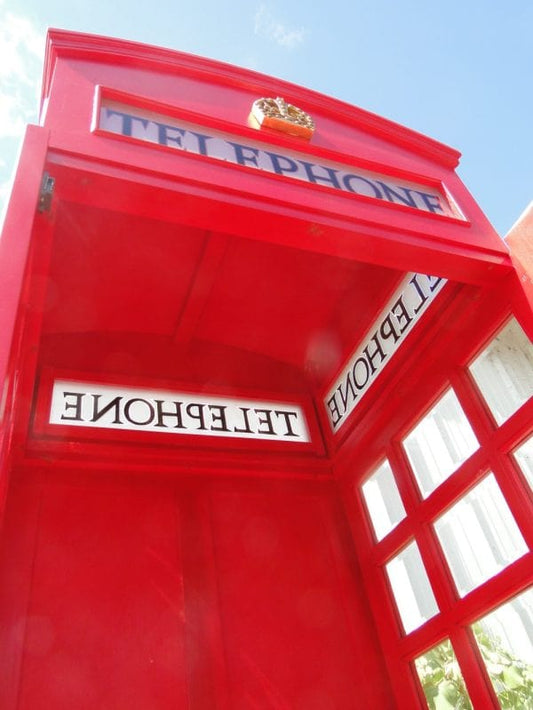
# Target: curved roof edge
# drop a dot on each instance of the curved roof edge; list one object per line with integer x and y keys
{"x": 66, "y": 43}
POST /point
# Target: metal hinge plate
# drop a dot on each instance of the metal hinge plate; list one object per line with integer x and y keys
{"x": 46, "y": 193}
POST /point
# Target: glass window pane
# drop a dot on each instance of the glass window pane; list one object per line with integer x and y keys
{"x": 411, "y": 588}
{"x": 505, "y": 639}
{"x": 504, "y": 371}
{"x": 441, "y": 679}
{"x": 524, "y": 456}
{"x": 440, "y": 443}
{"x": 383, "y": 500}
{"x": 479, "y": 536}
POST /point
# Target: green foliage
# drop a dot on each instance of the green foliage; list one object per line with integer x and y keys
{"x": 443, "y": 682}
{"x": 511, "y": 677}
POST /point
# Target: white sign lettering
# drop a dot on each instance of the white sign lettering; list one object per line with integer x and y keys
{"x": 110, "y": 407}
{"x": 152, "y": 128}
{"x": 395, "y": 321}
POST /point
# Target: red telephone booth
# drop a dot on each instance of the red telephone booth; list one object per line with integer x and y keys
{"x": 266, "y": 411}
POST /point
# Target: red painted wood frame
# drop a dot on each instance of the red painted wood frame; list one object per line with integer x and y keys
{"x": 382, "y": 438}
{"x": 117, "y": 175}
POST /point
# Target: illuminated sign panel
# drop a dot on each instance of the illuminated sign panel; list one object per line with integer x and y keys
{"x": 136, "y": 409}
{"x": 395, "y": 321}
{"x": 123, "y": 120}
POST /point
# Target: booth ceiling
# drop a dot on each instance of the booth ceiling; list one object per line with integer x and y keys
{"x": 117, "y": 278}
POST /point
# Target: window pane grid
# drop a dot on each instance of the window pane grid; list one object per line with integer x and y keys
{"x": 383, "y": 501}
{"x": 411, "y": 588}
{"x": 440, "y": 443}
{"x": 458, "y": 533}
{"x": 503, "y": 371}
{"x": 479, "y": 536}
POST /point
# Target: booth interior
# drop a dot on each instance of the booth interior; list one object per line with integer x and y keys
{"x": 245, "y": 415}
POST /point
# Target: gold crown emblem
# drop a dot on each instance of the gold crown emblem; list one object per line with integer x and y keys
{"x": 278, "y": 114}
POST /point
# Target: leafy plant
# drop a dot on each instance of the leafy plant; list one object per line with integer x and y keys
{"x": 511, "y": 677}
{"x": 443, "y": 683}
{"x": 442, "y": 680}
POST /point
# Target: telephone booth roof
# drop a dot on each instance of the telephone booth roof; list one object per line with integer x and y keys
{"x": 192, "y": 245}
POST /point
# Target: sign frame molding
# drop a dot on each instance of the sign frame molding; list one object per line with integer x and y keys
{"x": 290, "y": 144}
{"x": 44, "y": 430}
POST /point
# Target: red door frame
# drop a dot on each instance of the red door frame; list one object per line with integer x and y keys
{"x": 380, "y": 435}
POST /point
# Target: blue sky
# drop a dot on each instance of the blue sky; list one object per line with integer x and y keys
{"x": 459, "y": 72}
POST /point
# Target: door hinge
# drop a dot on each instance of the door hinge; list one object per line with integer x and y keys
{"x": 46, "y": 193}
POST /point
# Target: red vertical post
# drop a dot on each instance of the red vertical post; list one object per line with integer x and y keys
{"x": 520, "y": 242}
{"x": 14, "y": 252}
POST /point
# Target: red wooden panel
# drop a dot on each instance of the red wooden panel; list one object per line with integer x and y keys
{"x": 19, "y": 531}
{"x": 104, "y": 626}
{"x": 296, "y": 632}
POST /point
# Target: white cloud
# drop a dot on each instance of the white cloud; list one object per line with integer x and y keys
{"x": 5, "y": 189}
{"x": 266, "y": 25}
{"x": 21, "y": 59}
{"x": 22, "y": 52}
